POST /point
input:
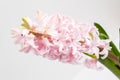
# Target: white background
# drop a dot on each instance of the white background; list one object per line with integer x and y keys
{"x": 15, "y": 65}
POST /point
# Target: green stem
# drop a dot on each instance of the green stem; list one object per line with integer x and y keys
{"x": 112, "y": 63}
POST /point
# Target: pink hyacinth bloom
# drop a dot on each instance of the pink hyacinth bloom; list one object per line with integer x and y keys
{"x": 62, "y": 38}
{"x": 92, "y": 63}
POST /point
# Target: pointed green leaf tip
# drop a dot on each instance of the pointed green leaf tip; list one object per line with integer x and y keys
{"x": 103, "y": 34}
{"x": 26, "y": 22}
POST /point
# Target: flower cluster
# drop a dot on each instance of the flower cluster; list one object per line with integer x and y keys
{"x": 62, "y": 38}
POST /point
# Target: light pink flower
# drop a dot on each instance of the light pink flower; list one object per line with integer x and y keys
{"x": 92, "y": 63}
{"x": 62, "y": 38}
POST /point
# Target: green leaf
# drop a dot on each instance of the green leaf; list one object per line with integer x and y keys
{"x": 111, "y": 66}
{"x": 115, "y": 50}
{"x": 103, "y": 34}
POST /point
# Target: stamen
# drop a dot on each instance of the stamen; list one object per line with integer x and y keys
{"x": 39, "y": 34}
{"x": 91, "y": 35}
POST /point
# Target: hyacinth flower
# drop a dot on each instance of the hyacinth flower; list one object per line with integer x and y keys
{"x": 59, "y": 37}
